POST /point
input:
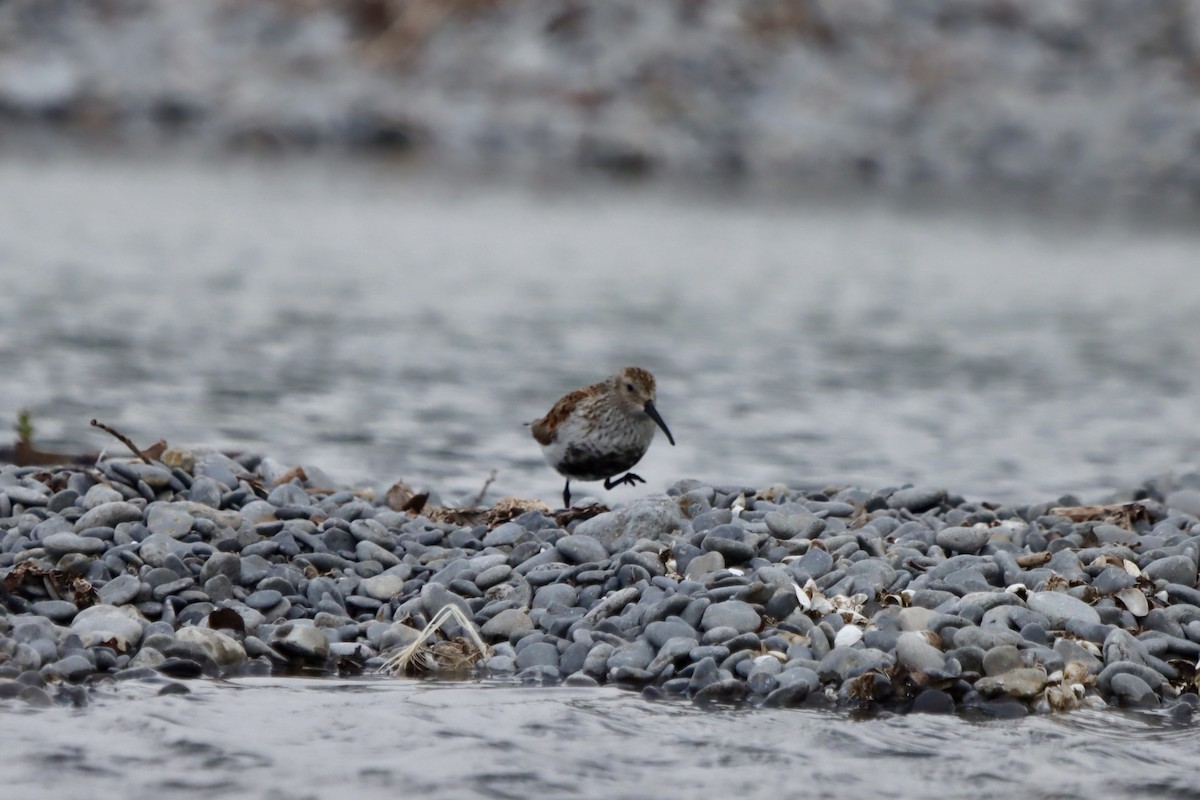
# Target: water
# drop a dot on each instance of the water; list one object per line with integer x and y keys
{"x": 372, "y": 738}
{"x": 382, "y": 323}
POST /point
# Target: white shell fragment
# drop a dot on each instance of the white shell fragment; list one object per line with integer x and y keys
{"x": 848, "y": 635}
{"x": 1133, "y": 599}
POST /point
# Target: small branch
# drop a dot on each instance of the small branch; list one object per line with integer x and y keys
{"x": 125, "y": 440}
{"x": 486, "y": 484}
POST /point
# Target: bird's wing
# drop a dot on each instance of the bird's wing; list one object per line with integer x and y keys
{"x": 545, "y": 428}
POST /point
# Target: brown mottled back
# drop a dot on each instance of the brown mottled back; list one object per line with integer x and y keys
{"x": 543, "y": 429}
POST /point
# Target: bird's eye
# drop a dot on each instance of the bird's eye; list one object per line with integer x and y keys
{"x": 629, "y": 386}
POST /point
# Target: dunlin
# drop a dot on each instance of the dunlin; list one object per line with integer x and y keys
{"x": 595, "y": 433}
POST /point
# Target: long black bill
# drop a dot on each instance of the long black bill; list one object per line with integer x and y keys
{"x": 652, "y": 412}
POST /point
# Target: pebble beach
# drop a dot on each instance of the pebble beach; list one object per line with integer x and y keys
{"x": 901, "y": 599}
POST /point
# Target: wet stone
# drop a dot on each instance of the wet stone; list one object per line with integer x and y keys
{"x": 60, "y": 544}
{"x": 538, "y": 654}
{"x": 303, "y": 641}
{"x": 731, "y": 542}
{"x": 705, "y": 564}
{"x": 108, "y": 515}
{"x": 1130, "y": 690}
{"x": 579, "y": 549}
{"x": 916, "y": 499}
{"x": 1060, "y": 608}
{"x": 735, "y": 614}
{"x": 962, "y": 540}
{"x": 264, "y": 599}
{"x": 57, "y": 610}
{"x": 70, "y": 668}
{"x": 1172, "y": 569}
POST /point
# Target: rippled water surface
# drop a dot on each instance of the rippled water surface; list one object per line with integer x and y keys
{"x": 382, "y": 324}
{"x": 377, "y": 738}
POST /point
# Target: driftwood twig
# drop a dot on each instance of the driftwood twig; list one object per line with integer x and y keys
{"x": 125, "y": 440}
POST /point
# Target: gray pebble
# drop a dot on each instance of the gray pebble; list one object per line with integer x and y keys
{"x": 735, "y": 614}
{"x": 963, "y": 540}
{"x": 1060, "y": 608}
{"x": 1132, "y": 691}
{"x": 580, "y": 549}
{"x": 303, "y": 641}
{"x": 108, "y": 515}
{"x": 1172, "y": 569}
{"x": 59, "y": 544}
{"x": 915, "y": 653}
{"x": 538, "y": 654}
{"x": 916, "y": 499}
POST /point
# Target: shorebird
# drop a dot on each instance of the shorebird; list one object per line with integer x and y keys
{"x": 595, "y": 433}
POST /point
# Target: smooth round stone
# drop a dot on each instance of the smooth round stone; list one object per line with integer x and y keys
{"x": 1132, "y": 691}
{"x": 815, "y": 563}
{"x": 786, "y": 696}
{"x": 653, "y": 518}
{"x": 57, "y": 610}
{"x": 71, "y": 668}
{"x": 933, "y": 701}
{"x": 1172, "y": 569}
{"x": 705, "y": 564}
{"x": 915, "y": 653}
{"x": 658, "y": 633}
{"x": 383, "y": 587}
{"x": 228, "y": 565}
{"x": 915, "y": 618}
{"x": 100, "y": 494}
{"x": 60, "y": 544}
{"x": 288, "y": 494}
{"x": 538, "y": 654}
{"x": 370, "y": 530}
{"x": 916, "y": 499}
{"x": 155, "y": 476}
{"x": 206, "y": 491}
{"x": 1060, "y": 608}
{"x": 1025, "y": 683}
{"x": 730, "y": 542}
{"x": 108, "y": 515}
{"x": 734, "y": 614}
{"x": 555, "y": 593}
{"x": 101, "y": 623}
{"x": 369, "y": 551}
{"x": 579, "y": 549}
{"x": 962, "y": 540}
{"x": 168, "y": 519}
{"x": 729, "y": 690}
{"x": 264, "y": 599}
{"x": 671, "y": 651}
{"x": 637, "y": 654}
{"x": 26, "y": 497}
{"x": 157, "y": 549}
{"x": 304, "y": 641}
{"x": 793, "y": 526}
{"x": 493, "y": 576}
{"x": 1185, "y": 500}
{"x": 1001, "y": 659}
{"x": 253, "y": 569}
{"x": 1112, "y": 580}
{"x": 505, "y": 535}
{"x": 506, "y": 623}
{"x": 165, "y": 590}
{"x": 221, "y": 648}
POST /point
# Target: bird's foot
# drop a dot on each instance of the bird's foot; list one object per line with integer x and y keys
{"x": 628, "y": 478}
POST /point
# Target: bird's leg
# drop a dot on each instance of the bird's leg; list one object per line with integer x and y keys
{"x": 567, "y": 494}
{"x": 628, "y": 478}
